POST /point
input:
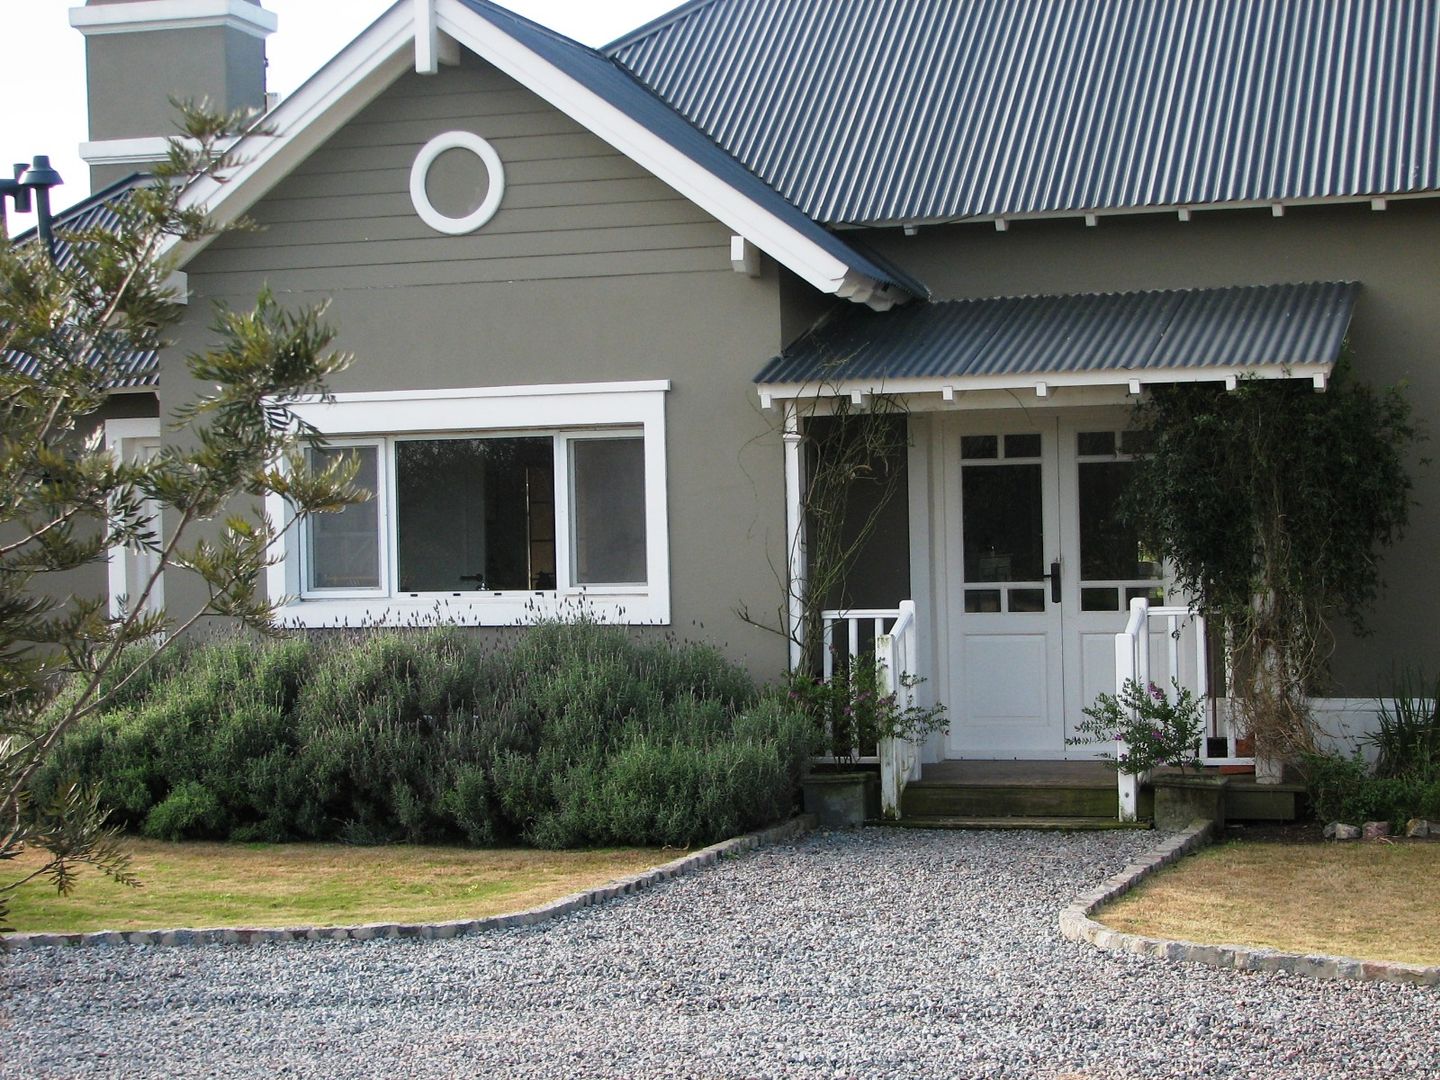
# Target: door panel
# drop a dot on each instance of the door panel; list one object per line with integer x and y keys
{"x": 1006, "y": 678}
{"x": 1112, "y": 566}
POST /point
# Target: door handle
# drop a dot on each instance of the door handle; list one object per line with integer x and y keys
{"x": 1054, "y": 576}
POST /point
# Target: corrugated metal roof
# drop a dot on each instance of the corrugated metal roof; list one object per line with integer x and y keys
{"x": 132, "y": 369}
{"x": 1135, "y": 332}
{"x": 609, "y": 80}
{"x": 870, "y": 111}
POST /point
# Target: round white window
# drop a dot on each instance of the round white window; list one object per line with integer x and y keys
{"x": 420, "y": 171}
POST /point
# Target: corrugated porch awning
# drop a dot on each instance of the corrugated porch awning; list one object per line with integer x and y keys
{"x": 1095, "y": 339}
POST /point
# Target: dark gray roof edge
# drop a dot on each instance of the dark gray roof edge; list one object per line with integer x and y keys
{"x": 64, "y": 217}
{"x": 906, "y": 327}
{"x": 616, "y": 85}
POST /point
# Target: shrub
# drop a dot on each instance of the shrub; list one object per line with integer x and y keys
{"x": 567, "y": 734}
{"x": 1344, "y": 789}
{"x": 1154, "y": 730}
{"x": 1407, "y": 740}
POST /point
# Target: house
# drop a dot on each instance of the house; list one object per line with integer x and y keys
{"x": 595, "y": 295}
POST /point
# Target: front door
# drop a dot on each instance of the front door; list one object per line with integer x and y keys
{"x": 1046, "y": 570}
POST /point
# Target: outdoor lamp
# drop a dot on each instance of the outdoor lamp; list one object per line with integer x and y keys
{"x": 35, "y": 180}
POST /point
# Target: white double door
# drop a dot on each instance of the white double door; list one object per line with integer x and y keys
{"x": 1040, "y": 571}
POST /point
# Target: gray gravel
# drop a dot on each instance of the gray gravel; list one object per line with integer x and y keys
{"x": 877, "y": 953}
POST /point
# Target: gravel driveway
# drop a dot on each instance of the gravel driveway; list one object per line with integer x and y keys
{"x": 876, "y": 953}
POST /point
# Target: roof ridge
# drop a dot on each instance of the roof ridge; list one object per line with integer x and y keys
{"x": 655, "y": 25}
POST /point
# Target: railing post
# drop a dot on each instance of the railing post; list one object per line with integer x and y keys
{"x": 1132, "y": 664}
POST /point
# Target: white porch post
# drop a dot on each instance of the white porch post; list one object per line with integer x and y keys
{"x": 794, "y": 530}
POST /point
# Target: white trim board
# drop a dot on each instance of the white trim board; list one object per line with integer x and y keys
{"x": 120, "y": 437}
{"x": 1038, "y": 386}
{"x": 138, "y": 16}
{"x": 385, "y": 50}
{"x": 125, "y": 151}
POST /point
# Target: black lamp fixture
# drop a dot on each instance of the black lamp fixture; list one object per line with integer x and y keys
{"x": 31, "y": 186}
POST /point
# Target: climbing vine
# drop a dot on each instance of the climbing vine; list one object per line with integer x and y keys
{"x": 854, "y": 464}
{"x": 1270, "y": 502}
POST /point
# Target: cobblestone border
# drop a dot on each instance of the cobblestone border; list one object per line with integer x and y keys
{"x": 686, "y": 864}
{"x": 1076, "y": 925}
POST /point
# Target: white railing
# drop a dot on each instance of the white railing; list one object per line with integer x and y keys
{"x": 1133, "y": 662}
{"x": 899, "y": 757}
{"x": 896, "y": 649}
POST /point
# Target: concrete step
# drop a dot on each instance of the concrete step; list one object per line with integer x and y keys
{"x": 1036, "y": 824}
{"x": 952, "y": 799}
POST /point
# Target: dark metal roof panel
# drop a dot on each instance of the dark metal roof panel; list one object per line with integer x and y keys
{"x": 867, "y": 111}
{"x": 131, "y": 369}
{"x": 605, "y": 77}
{"x": 1235, "y": 328}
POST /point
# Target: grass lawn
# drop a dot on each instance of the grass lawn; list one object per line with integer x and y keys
{"x": 277, "y": 885}
{"x": 1372, "y": 901}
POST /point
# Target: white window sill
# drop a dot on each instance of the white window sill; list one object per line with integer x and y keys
{"x": 510, "y": 609}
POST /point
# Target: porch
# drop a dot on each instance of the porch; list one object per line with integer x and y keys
{"x": 1003, "y": 580}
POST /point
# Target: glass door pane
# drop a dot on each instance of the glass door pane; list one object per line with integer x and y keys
{"x": 1003, "y": 526}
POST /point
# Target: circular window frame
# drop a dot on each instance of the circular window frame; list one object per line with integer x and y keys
{"x": 420, "y": 172}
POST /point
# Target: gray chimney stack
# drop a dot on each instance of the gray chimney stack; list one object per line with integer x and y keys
{"x": 141, "y": 53}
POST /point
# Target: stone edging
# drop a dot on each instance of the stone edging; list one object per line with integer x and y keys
{"x": 1076, "y": 924}
{"x": 686, "y": 864}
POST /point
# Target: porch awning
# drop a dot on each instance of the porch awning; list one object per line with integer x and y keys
{"x": 1096, "y": 339}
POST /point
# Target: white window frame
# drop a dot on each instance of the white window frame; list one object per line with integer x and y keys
{"x": 121, "y": 439}
{"x": 383, "y": 487}
{"x": 563, "y": 412}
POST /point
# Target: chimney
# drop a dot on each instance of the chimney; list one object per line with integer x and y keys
{"x": 141, "y": 53}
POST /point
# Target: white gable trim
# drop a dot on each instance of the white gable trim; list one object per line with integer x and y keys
{"x": 295, "y": 128}
{"x": 378, "y": 57}
{"x": 642, "y": 146}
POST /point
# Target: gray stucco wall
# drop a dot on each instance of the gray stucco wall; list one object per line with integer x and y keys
{"x": 132, "y": 77}
{"x": 592, "y": 270}
{"x": 1394, "y": 253}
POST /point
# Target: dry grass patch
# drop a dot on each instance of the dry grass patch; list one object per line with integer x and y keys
{"x": 1373, "y": 901}
{"x": 276, "y": 885}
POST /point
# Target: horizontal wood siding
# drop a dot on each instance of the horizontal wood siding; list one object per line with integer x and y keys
{"x": 573, "y": 206}
{"x": 591, "y": 271}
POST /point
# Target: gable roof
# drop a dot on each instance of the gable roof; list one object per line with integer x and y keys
{"x": 588, "y": 87}
{"x": 884, "y": 111}
{"x": 1009, "y": 342}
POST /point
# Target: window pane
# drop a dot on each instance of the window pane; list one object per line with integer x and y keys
{"x": 1097, "y": 444}
{"x": 344, "y": 548}
{"x": 1022, "y": 446}
{"x": 475, "y": 514}
{"x": 609, "y": 511}
{"x": 974, "y": 447}
{"x": 1099, "y": 599}
{"x": 1003, "y": 522}
{"x": 982, "y": 600}
{"x": 1109, "y": 549}
{"x": 1027, "y": 599}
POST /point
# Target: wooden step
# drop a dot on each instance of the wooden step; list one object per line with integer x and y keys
{"x": 1034, "y": 824}
{"x": 949, "y": 799}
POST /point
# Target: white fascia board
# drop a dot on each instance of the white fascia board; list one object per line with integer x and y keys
{"x": 301, "y": 122}
{"x": 740, "y": 214}
{"x": 173, "y": 15}
{"x": 1054, "y": 380}
{"x": 125, "y": 151}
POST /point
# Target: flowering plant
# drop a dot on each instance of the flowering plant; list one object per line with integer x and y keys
{"x": 853, "y": 712}
{"x": 1154, "y": 729}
